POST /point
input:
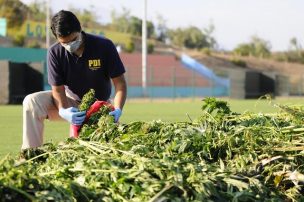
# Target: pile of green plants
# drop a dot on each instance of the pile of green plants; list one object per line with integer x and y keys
{"x": 220, "y": 156}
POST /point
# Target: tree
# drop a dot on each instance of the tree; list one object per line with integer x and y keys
{"x": 261, "y": 47}
{"x": 120, "y": 22}
{"x": 257, "y": 47}
{"x": 191, "y": 37}
{"x": 150, "y": 29}
{"x": 37, "y": 11}
{"x": 161, "y": 28}
{"x": 243, "y": 49}
{"x": 135, "y": 26}
{"x": 296, "y": 53}
{"x": 126, "y": 23}
{"x": 208, "y": 32}
{"x": 86, "y": 17}
{"x": 14, "y": 11}
{"x": 295, "y": 45}
{"x": 194, "y": 38}
{"x": 177, "y": 37}
{"x": 19, "y": 40}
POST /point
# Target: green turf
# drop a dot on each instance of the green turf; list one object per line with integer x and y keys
{"x": 171, "y": 111}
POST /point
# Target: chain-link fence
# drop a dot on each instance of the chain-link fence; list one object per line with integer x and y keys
{"x": 170, "y": 82}
{"x": 176, "y": 81}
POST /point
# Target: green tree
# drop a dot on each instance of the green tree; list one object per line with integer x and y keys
{"x": 161, "y": 28}
{"x": 120, "y": 22}
{"x": 243, "y": 49}
{"x": 296, "y": 47}
{"x": 124, "y": 22}
{"x": 177, "y": 37}
{"x": 191, "y": 37}
{"x": 150, "y": 48}
{"x": 296, "y": 53}
{"x": 257, "y": 47}
{"x": 135, "y": 26}
{"x": 37, "y": 11}
{"x": 150, "y": 29}
{"x": 19, "y": 40}
{"x": 294, "y": 44}
{"x": 14, "y": 11}
{"x": 195, "y": 38}
{"x": 86, "y": 17}
{"x": 208, "y": 32}
{"x": 130, "y": 47}
{"x": 261, "y": 47}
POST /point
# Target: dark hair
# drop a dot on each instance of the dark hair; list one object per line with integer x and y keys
{"x": 64, "y": 23}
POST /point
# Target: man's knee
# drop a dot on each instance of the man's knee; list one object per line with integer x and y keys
{"x": 33, "y": 102}
{"x": 28, "y": 101}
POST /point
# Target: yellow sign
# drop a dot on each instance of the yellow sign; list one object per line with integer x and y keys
{"x": 33, "y": 29}
{"x": 38, "y": 29}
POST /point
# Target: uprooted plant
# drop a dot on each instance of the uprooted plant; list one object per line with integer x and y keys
{"x": 221, "y": 156}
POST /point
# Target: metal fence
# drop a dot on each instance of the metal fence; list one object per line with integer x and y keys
{"x": 171, "y": 82}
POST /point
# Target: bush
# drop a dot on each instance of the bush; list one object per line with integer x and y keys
{"x": 281, "y": 57}
{"x": 243, "y": 50}
{"x": 206, "y": 51}
{"x": 130, "y": 47}
{"x": 238, "y": 62}
{"x": 19, "y": 40}
{"x": 34, "y": 44}
{"x": 290, "y": 56}
{"x": 150, "y": 48}
{"x": 257, "y": 47}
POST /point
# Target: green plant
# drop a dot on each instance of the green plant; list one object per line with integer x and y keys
{"x": 221, "y": 156}
{"x": 238, "y": 62}
{"x": 19, "y": 40}
{"x": 244, "y": 50}
{"x": 150, "y": 48}
{"x": 34, "y": 44}
{"x": 130, "y": 47}
{"x": 87, "y": 100}
{"x": 206, "y": 51}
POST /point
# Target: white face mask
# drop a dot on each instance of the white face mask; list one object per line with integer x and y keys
{"x": 73, "y": 46}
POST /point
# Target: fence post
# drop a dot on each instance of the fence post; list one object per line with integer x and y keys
{"x": 193, "y": 85}
{"x": 301, "y": 89}
{"x": 174, "y": 82}
{"x": 151, "y": 85}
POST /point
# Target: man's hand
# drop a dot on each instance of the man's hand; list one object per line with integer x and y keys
{"x": 72, "y": 115}
{"x": 116, "y": 113}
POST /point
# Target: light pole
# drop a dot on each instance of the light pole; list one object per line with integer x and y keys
{"x": 47, "y": 32}
{"x": 144, "y": 49}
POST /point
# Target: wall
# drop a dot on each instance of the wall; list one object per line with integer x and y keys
{"x": 18, "y": 80}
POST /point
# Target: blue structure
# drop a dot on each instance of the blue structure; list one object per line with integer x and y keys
{"x": 26, "y": 55}
{"x": 192, "y": 64}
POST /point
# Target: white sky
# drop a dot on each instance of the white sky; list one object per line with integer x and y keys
{"x": 235, "y": 21}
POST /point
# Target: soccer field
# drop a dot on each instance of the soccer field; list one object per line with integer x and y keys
{"x": 135, "y": 110}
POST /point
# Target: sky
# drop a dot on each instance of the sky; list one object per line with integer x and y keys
{"x": 235, "y": 21}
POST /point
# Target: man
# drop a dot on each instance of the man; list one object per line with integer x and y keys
{"x": 76, "y": 63}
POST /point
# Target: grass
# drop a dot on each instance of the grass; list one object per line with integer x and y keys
{"x": 135, "y": 110}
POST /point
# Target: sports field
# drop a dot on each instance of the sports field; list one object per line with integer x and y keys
{"x": 135, "y": 110}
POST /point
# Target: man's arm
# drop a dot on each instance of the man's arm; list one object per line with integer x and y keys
{"x": 71, "y": 114}
{"x": 59, "y": 96}
{"x": 120, "y": 91}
